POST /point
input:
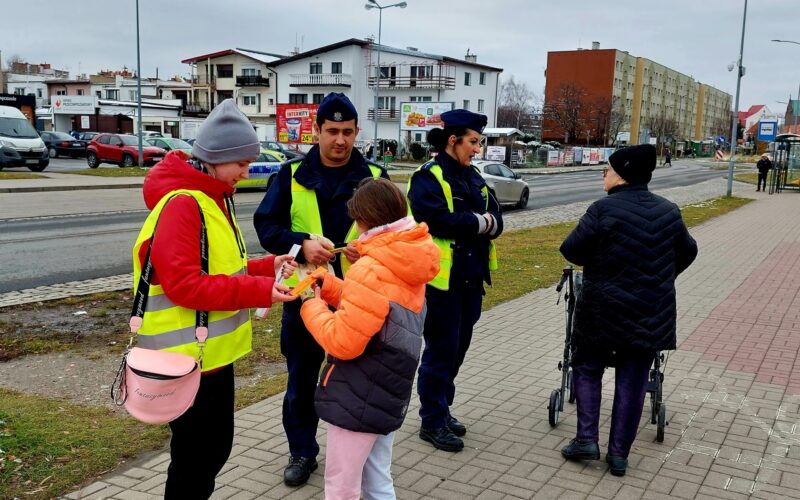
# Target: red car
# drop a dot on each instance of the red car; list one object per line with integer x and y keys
{"x": 121, "y": 149}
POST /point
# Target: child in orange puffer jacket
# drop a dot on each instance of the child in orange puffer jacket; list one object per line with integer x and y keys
{"x": 373, "y": 340}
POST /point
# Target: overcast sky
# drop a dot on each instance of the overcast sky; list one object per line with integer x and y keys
{"x": 696, "y": 37}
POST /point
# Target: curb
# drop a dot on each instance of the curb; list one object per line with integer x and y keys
{"x": 36, "y": 189}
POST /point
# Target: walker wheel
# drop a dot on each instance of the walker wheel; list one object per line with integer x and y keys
{"x": 553, "y": 409}
{"x": 662, "y": 422}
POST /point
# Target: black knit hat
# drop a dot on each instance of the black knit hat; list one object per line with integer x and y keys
{"x": 635, "y": 164}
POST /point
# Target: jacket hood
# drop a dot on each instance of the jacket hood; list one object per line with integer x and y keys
{"x": 175, "y": 172}
{"x": 410, "y": 254}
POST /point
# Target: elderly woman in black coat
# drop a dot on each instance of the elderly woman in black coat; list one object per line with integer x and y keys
{"x": 632, "y": 245}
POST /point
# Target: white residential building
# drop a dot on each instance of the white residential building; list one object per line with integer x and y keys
{"x": 30, "y": 79}
{"x": 350, "y": 67}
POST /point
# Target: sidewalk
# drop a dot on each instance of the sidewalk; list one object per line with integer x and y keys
{"x": 731, "y": 392}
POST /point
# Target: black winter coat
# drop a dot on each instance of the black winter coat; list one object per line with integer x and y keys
{"x": 632, "y": 245}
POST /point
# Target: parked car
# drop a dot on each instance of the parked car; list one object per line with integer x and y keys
{"x": 168, "y": 144}
{"x": 287, "y": 151}
{"x": 121, "y": 149}
{"x": 507, "y": 186}
{"x": 146, "y": 134}
{"x": 262, "y": 171}
{"x": 20, "y": 144}
{"x": 189, "y": 141}
{"x": 87, "y": 136}
{"x": 61, "y": 143}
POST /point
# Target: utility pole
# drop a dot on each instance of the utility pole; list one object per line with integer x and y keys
{"x": 734, "y": 125}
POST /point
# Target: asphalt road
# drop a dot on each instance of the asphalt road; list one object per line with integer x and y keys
{"x": 95, "y": 240}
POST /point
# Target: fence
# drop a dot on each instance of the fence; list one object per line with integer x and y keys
{"x": 569, "y": 156}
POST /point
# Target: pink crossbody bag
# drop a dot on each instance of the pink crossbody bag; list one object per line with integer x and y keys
{"x": 155, "y": 386}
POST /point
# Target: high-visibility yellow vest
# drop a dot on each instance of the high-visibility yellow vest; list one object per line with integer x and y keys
{"x": 169, "y": 327}
{"x": 305, "y": 216}
{"x": 442, "y": 280}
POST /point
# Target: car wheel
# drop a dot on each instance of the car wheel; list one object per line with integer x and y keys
{"x": 127, "y": 161}
{"x": 52, "y": 152}
{"x": 39, "y": 167}
{"x": 523, "y": 199}
{"x": 92, "y": 160}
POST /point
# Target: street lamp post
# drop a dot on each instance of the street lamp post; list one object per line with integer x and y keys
{"x": 138, "y": 86}
{"x": 373, "y": 4}
{"x": 735, "y": 121}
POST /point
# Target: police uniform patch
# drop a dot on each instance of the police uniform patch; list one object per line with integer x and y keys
{"x": 337, "y": 117}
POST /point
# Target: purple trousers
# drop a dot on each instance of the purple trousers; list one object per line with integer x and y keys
{"x": 630, "y": 378}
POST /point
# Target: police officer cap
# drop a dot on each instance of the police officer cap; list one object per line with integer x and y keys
{"x": 635, "y": 164}
{"x": 464, "y": 118}
{"x": 336, "y": 107}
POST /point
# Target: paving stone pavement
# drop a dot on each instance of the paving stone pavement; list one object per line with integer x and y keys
{"x": 731, "y": 392}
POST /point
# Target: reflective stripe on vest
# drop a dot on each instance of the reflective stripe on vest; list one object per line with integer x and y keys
{"x": 442, "y": 280}
{"x": 169, "y": 327}
{"x": 304, "y": 213}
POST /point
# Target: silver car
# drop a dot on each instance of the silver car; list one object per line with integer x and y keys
{"x": 507, "y": 186}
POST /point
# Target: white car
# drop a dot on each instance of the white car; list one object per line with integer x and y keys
{"x": 507, "y": 186}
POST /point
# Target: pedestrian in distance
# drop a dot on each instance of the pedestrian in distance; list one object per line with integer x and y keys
{"x": 668, "y": 158}
{"x": 764, "y": 165}
{"x": 464, "y": 218}
{"x": 191, "y": 200}
{"x": 306, "y": 205}
{"x": 632, "y": 245}
{"x": 373, "y": 340}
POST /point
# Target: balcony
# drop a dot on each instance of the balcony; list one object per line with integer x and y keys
{"x": 252, "y": 81}
{"x": 321, "y": 80}
{"x": 409, "y": 82}
{"x": 384, "y": 114}
{"x": 203, "y": 80}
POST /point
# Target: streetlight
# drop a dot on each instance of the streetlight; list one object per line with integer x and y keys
{"x": 138, "y": 85}
{"x": 785, "y": 41}
{"x": 735, "y": 120}
{"x": 373, "y": 4}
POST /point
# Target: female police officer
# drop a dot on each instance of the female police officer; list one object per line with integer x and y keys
{"x": 463, "y": 217}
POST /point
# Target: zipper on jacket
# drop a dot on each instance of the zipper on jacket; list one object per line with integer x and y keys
{"x": 328, "y": 375}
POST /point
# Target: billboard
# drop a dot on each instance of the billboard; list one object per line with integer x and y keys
{"x": 496, "y": 153}
{"x": 73, "y": 104}
{"x": 297, "y": 123}
{"x": 422, "y": 115}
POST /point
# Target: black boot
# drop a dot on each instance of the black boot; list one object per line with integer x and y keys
{"x": 581, "y": 450}
{"x": 442, "y": 439}
{"x": 616, "y": 465}
{"x": 457, "y": 427}
{"x": 299, "y": 470}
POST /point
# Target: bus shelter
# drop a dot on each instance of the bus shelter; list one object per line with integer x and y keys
{"x": 786, "y": 162}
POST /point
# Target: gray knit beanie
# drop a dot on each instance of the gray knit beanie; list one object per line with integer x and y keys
{"x": 226, "y": 136}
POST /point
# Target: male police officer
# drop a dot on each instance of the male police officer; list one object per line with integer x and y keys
{"x": 309, "y": 197}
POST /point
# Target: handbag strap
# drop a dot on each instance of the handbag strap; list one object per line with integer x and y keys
{"x": 143, "y": 289}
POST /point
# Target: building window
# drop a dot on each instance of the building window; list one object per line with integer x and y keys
{"x": 336, "y": 68}
{"x": 315, "y": 68}
{"x": 78, "y": 92}
{"x": 467, "y": 79}
{"x": 19, "y": 91}
{"x": 386, "y": 102}
{"x": 249, "y": 100}
{"x": 112, "y": 94}
{"x": 317, "y": 98}
{"x": 298, "y": 98}
{"x": 39, "y": 92}
{"x": 132, "y": 94}
{"x": 480, "y": 105}
{"x": 271, "y": 101}
{"x": 482, "y": 78}
{"x": 418, "y": 137}
{"x": 421, "y": 98}
{"x": 466, "y": 104}
{"x": 97, "y": 93}
{"x": 225, "y": 70}
{"x": 251, "y": 72}
{"x": 421, "y": 71}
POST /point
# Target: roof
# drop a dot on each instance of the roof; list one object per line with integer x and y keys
{"x": 145, "y": 104}
{"x": 755, "y": 108}
{"x": 501, "y": 132}
{"x": 263, "y": 57}
{"x": 384, "y": 48}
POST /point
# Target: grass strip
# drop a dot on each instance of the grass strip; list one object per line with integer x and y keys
{"x": 113, "y": 172}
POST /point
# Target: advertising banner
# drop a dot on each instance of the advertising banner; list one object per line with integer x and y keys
{"x": 297, "y": 123}
{"x": 552, "y": 158}
{"x": 569, "y": 157}
{"x": 585, "y": 158}
{"x": 73, "y": 104}
{"x": 577, "y": 154}
{"x": 594, "y": 156}
{"x": 496, "y": 153}
{"x": 422, "y": 115}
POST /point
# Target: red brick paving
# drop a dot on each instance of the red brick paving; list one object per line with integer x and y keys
{"x": 757, "y": 328}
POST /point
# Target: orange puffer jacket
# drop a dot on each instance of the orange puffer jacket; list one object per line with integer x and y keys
{"x": 374, "y": 337}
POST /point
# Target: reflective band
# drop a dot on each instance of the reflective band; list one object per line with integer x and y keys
{"x": 186, "y": 335}
{"x": 161, "y": 302}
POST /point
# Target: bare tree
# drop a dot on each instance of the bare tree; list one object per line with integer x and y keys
{"x": 517, "y": 107}
{"x": 720, "y": 127}
{"x": 12, "y": 60}
{"x": 567, "y": 111}
{"x": 664, "y": 127}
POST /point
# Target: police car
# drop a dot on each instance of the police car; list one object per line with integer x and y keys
{"x": 261, "y": 171}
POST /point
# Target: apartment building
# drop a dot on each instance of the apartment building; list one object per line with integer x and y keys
{"x": 31, "y": 79}
{"x": 405, "y": 75}
{"x": 642, "y": 95}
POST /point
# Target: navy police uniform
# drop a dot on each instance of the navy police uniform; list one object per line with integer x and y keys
{"x": 452, "y": 313}
{"x": 272, "y": 220}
